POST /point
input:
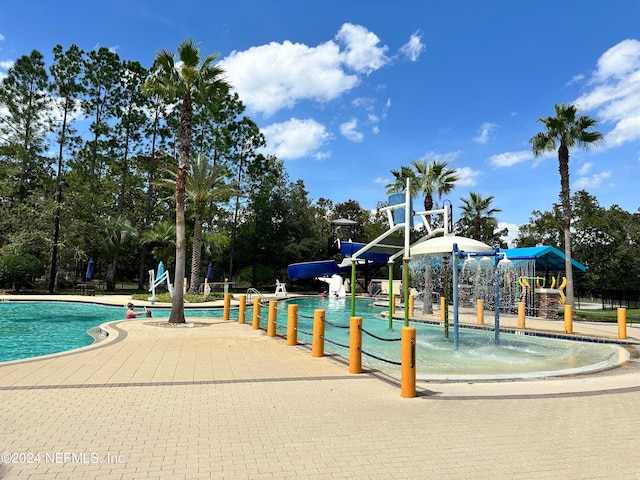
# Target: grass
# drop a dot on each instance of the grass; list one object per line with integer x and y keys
{"x": 633, "y": 315}
{"x": 166, "y": 298}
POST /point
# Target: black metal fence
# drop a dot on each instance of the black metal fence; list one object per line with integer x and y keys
{"x": 609, "y": 298}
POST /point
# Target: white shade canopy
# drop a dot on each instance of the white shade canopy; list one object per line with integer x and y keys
{"x": 439, "y": 245}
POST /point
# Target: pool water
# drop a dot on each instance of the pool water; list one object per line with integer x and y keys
{"x": 516, "y": 356}
{"x": 32, "y": 329}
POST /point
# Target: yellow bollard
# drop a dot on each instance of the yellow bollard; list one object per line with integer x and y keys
{"x": 242, "y": 310}
{"x": 393, "y": 303}
{"x": 442, "y": 308}
{"x": 355, "y": 345}
{"x": 408, "y": 361}
{"x": 480, "y": 311}
{"x": 568, "y": 319}
{"x": 227, "y": 306}
{"x": 255, "y": 325}
{"x": 317, "y": 347}
{"x": 411, "y": 301}
{"x": 622, "y": 323}
{"x": 521, "y": 314}
{"x": 271, "y": 319}
{"x": 292, "y": 325}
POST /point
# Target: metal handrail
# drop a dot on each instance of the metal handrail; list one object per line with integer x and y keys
{"x": 254, "y": 291}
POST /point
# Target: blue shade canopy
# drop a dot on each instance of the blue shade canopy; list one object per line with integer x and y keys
{"x": 548, "y": 259}
{"x": 90, "y": 269}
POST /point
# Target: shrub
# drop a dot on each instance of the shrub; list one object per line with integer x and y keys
{"x": 19, "y": 270}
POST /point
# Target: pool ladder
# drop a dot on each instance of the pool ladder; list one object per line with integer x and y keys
{"x": 254, "y": 291}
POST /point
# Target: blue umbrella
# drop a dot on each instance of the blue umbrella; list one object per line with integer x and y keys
{"x": 160, "y": 270}
{"x": 89, "y": 274}
{"x": 210, "y": 272}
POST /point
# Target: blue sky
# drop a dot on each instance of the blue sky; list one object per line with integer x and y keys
{"x": 345, "y": 90}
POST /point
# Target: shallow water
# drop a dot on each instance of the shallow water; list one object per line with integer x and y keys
{"x": 478, "y": 356}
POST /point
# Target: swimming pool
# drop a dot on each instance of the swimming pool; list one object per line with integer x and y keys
{"x": 32, "y": 329}
{"x": 517, "y": 356}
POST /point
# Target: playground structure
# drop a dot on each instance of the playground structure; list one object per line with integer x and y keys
{"x": 459, "y": 269}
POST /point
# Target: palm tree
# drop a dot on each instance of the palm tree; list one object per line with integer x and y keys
{"x": 478, "y": 216}
{"x": 565, "y": 131}
{"x": 428, "y": 178}
{"x": 118, "y": 232}
{"x": 163, "y": 235}
{"x": 207, "y": 183}
{"x": 189, "y": 81}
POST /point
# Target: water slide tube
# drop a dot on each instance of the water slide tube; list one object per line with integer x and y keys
{"x": 327, "y": 268}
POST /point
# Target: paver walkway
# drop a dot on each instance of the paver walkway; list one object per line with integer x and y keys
{"x": 225, "y": 401}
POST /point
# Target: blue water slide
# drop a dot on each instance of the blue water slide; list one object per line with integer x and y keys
{"x": 307, "y": 270}
{"x": 375, "y": 257}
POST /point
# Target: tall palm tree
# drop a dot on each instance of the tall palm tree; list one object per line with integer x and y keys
{"x": 206, "y": 183}
{"x": 427, "y": 178}
{"x": 565, "y": 131}
{"x": 478, "y": 215}
{"x": 190, "y": 81}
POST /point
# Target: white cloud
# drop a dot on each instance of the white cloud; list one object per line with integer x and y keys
{"x": 414, "y": 47}
{"x": 295, "y": 138}
{"x": 513, "y": 232}
{"x": 381, "y": 181}
{"x": 584, "y": 169}
{"x": 576, "y": 79}
{"x": 361, "y": 52}
{"x": 508, "y": 159}
{"x": 593, "y": 181}
{"x": 485, "y": 130}
{"x": 467, "y": 176}
{"x": 348, "y": 130}
{"x": 441, "y": 157}
{"x": 614, "y": 92}
{"x": 275, "y": 76}
{"x": 278, "y": 75}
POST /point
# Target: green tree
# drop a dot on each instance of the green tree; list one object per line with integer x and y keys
{"x": 162, "y": 237}
{"x": 206, "y": 184}
{"x": 190, "y": 80}
{"x": 117, "y": 233}
{"x": 19, "y": 269}
{"x": 543, "y": 228}
{"x": 478, "y": 219}
{"x": 427, "y": 178}
{"x": 25, "y": 123}
{"x": 102, "y": 75}
{"x": 564, "y": 131}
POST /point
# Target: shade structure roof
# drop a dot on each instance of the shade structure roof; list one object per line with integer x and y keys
{"x": 438, "y": 245}
{"x": 548, "y": 259}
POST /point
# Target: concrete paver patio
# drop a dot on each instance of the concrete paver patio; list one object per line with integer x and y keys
{"x": 225, "y": 401}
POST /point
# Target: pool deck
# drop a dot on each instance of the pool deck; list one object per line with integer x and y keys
{"x": 225, "y": 401}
